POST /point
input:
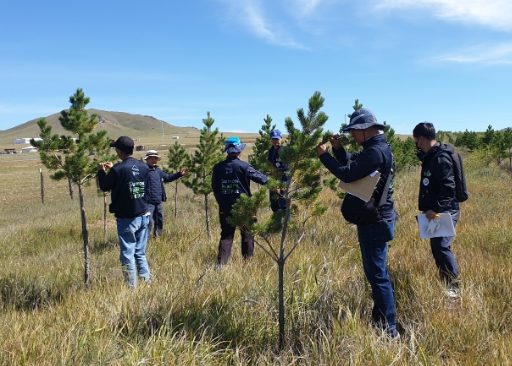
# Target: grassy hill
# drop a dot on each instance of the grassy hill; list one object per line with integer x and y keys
{"x": 145, "y": 130}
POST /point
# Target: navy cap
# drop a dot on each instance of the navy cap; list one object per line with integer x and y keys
{"x": 362, "y": 119}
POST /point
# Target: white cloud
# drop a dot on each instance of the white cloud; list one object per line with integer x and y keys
{"x": 249, "y": 13}
{"x": 308, "y": 6}
{"x": 482, "y": 54}
{"x": 491, "y": 13}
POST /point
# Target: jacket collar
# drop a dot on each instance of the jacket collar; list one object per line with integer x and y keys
{"x": 374, "y": 139}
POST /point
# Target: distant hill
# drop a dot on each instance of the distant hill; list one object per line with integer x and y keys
{"x": 144, "y": 129}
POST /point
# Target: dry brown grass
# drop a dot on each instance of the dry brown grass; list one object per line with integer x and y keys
{"x": 193, "y": 314}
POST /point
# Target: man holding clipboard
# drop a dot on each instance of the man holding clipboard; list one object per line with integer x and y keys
{"x": 437, "y": 195}
{"x": 375, "y": 224}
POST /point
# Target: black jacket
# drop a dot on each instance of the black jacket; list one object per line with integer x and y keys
{"x": 155, "y": 189}
{"x": 376, "y": 156}
{"x": 275, "y": 160}
{"x": 437, "y": 185}
{"x": 128, "y": 182}
{"x": 231, "y": 178}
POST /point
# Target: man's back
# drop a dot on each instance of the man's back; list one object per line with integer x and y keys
{"x": 231, "y": 178}
{"x": 129, "y": 192}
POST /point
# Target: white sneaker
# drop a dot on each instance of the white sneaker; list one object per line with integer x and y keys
{"x": 452, "y": 293}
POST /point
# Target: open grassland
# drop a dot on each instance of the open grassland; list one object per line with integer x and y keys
{"x": 192, "y": 314}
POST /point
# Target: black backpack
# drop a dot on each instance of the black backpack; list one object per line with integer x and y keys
{"x": 461, "y": 190}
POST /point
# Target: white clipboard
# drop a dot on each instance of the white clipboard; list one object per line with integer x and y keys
{"x": 362, "y": 188}
{"x": 445, "y": 229}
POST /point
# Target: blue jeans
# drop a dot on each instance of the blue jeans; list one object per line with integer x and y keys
{"x": 373, "y": 241}
{"x": 156, "y": 219}
{"x": 133, "y": 237}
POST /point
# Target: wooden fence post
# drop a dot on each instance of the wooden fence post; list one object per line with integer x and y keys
{"x": 42, "y": 184}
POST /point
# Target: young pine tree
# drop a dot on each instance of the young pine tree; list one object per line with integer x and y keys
{"x": 77, "y": 162}
{"x": 301, "y": 195}
{"x": 178, "y": 159}
{"x": 262, "y": 144}
{"x": 347, "y": 141}
{"x": 210, "y": 151}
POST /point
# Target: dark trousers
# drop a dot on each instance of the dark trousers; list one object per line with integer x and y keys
{"x": 227, "y": 233}
{"x": 156, "y": 219}
{"x": 444, "y": 257}
{"x": 277, "y": 201}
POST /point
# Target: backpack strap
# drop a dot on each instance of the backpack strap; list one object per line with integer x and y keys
{"x": 384, "y": 194}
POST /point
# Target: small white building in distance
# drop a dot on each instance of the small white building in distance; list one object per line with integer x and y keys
{"x": 23, "y": 140}
{"x": 26, "y": 140}
{"x": 29, "y": 149}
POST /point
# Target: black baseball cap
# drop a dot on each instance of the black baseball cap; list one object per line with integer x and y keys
{"x": 123, "y": 143}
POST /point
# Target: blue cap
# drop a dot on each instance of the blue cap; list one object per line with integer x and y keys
{"x": 234, "y": 145}
{"x": 362, "y": 119}
{"x": 275, "y": 134}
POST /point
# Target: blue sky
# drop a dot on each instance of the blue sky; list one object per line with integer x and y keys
{"x": 444, "y": 61}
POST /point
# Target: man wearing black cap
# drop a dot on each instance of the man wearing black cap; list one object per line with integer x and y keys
{"x": 230, "y": 179}
{"x": 376, "y": 228}
{"x": 128, "y": 181}
{"x": 277, "y": 201}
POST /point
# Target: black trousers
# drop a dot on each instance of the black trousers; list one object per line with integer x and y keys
{"x": 444, "y": 257}
{"x": 227, "y": 233}
{"x": 277, "y": 201}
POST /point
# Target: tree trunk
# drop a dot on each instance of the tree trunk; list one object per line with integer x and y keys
{"x": 71, "y": 189}
{"x": 85, "y": 237}
{"x": 207, "y": 217}
{"x": 282, "y": 338}
{"x": 176, "y": 201}
{"x": 42, "y": 184}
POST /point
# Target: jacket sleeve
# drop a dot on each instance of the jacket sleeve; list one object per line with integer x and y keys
{"x": 443, "y": 173}
{"x": 169, "y": 177}
{"x": 216, "y": 186}
{"x": 364, "y": 163}
{"x": 107, "y": 181}
{"x": 342, "y": 155}
{"x": 256, "y": 176}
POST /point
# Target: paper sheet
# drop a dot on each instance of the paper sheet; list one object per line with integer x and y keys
{"x": 362, "y": 188}
{"x": 446, "y": 228}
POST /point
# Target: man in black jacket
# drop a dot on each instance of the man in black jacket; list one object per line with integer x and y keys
{"x": 128, "y": 182}
{"x": 437, "y": 194}
{"x": 376, "y": 231}
{"x": 156, "y": 191}
{"x": 277, "y": 201}
{"x": 230, "y": 179}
